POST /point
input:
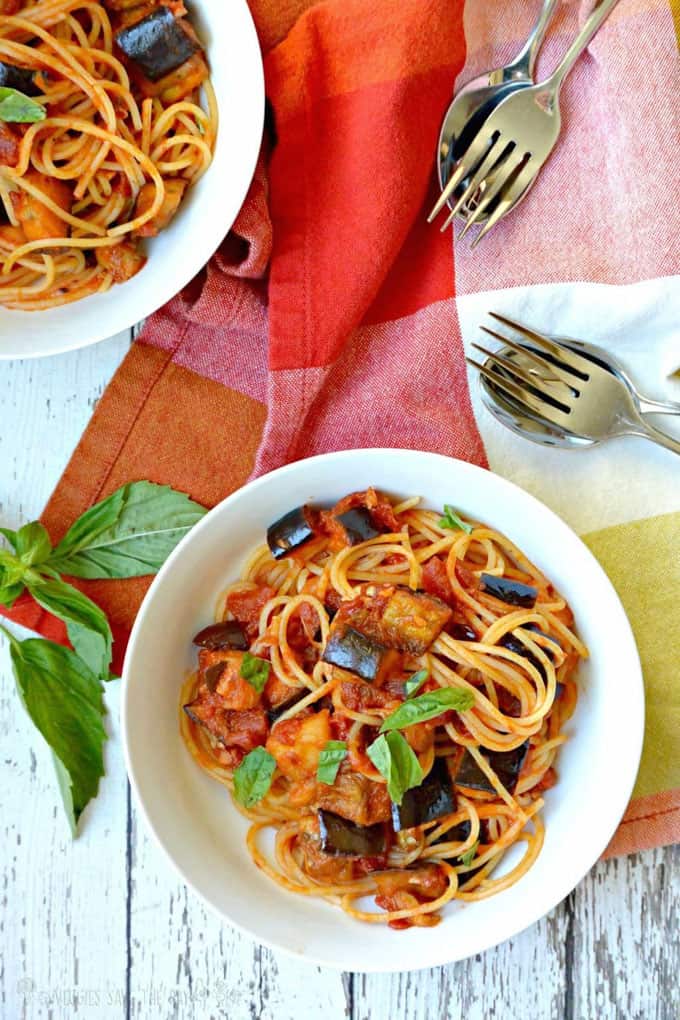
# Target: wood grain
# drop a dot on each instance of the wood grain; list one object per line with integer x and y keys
{"x": 102, "y": 928}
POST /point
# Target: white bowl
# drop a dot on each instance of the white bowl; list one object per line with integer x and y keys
{"x": 205, "y": 217}
{"x": 192, "y": 817}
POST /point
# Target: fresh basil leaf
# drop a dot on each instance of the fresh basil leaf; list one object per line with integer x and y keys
{"x": 395, "y": 760}
{"x": 64, "y": 700}
{"x": 330, "y": 760}
{"x": 255, "y": 671}
{"x": 17, "y": 108}
{"x": 32, "y": 544}
{"x": 428, "y": 706}
{"x": 468, "y": 857}
{"x": 11, "y": 537}
{"x": 87, "y": 626}
{"x": 452, "y": 520}
{"x": 415, "y": 682}
{"x": 253, "y": 777}
{"x": 129, "y": 534}
{"x": 9, "y": 593}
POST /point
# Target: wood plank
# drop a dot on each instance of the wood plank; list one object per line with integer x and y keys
{"x": 192, "y": 965}
{"x": 524, "y": 978}
{"x": 626, "y": 955}
{"x": 62, "y": 909}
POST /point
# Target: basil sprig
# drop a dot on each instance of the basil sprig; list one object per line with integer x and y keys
{"x": 253, "y": 777}
{"x": 255, "y": 671}
{"x": 16, "y": 108}
{"x": 396, "y": 761}
{"x": 453, "y": 521}
{"x": 129, "y": 534}
{"x": 428, "y": 706}
{"x": 331, "y": 758}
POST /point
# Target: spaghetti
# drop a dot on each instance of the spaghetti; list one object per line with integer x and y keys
{"x": 124, "y": 133}
{"x": 386, "y": 689}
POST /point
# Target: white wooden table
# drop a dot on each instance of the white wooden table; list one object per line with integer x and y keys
{"x": 102, "y": 928}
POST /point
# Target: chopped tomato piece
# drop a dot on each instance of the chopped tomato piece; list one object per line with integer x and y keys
{"x": 436, "y": 580}
{"x": 340, "y": 726}
{"x": 9, "y": 141}
{"x": 246, "y": 604}
{"x": 466, "y": 578}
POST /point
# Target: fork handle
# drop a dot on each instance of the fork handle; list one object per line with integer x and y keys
{"x": 656, "y": 435}
{"x": 522, "y": 66}
{"x": 590, "y": 27}
{"x": 648, "y": 406}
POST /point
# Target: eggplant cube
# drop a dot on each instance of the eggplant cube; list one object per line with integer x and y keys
{"x": 513, "y": 592}
{"x": 289, "y": 532}
{"x": 158, "y": 44}
{"x": 433, "y": 799}
{"x": 413, "y": 620}
{"x": 350, "y": 650}
{"x": 226, "y": 634}
{"x": 19, "y": 78}
{"x": 343, "y": 838}
{"x": 506, "y": 764}
{"x": 358, "y": 525}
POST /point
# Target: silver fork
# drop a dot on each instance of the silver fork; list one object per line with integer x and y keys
{"x": 515, "y": 140}
{"x": 567, "y": 390}
{"x": 485, "y": 90}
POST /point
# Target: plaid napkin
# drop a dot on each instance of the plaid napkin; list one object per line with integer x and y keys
{"x": 330, "y": 318}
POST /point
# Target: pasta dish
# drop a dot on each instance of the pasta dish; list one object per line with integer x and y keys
{"x": 107, "y": 116}
{"x": 386, "y": 687}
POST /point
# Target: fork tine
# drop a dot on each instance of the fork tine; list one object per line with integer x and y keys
{"x": 519, "y": 373}
{"x": 509, "y": 199}
{"x": 548, "y": 412}
{"x": 502, "y": 175}
{"x": 536, "y": 359}
{"x": 493, "y": 155}
{"x": 570, "y": 361}
{"x": 466, "y": 164}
